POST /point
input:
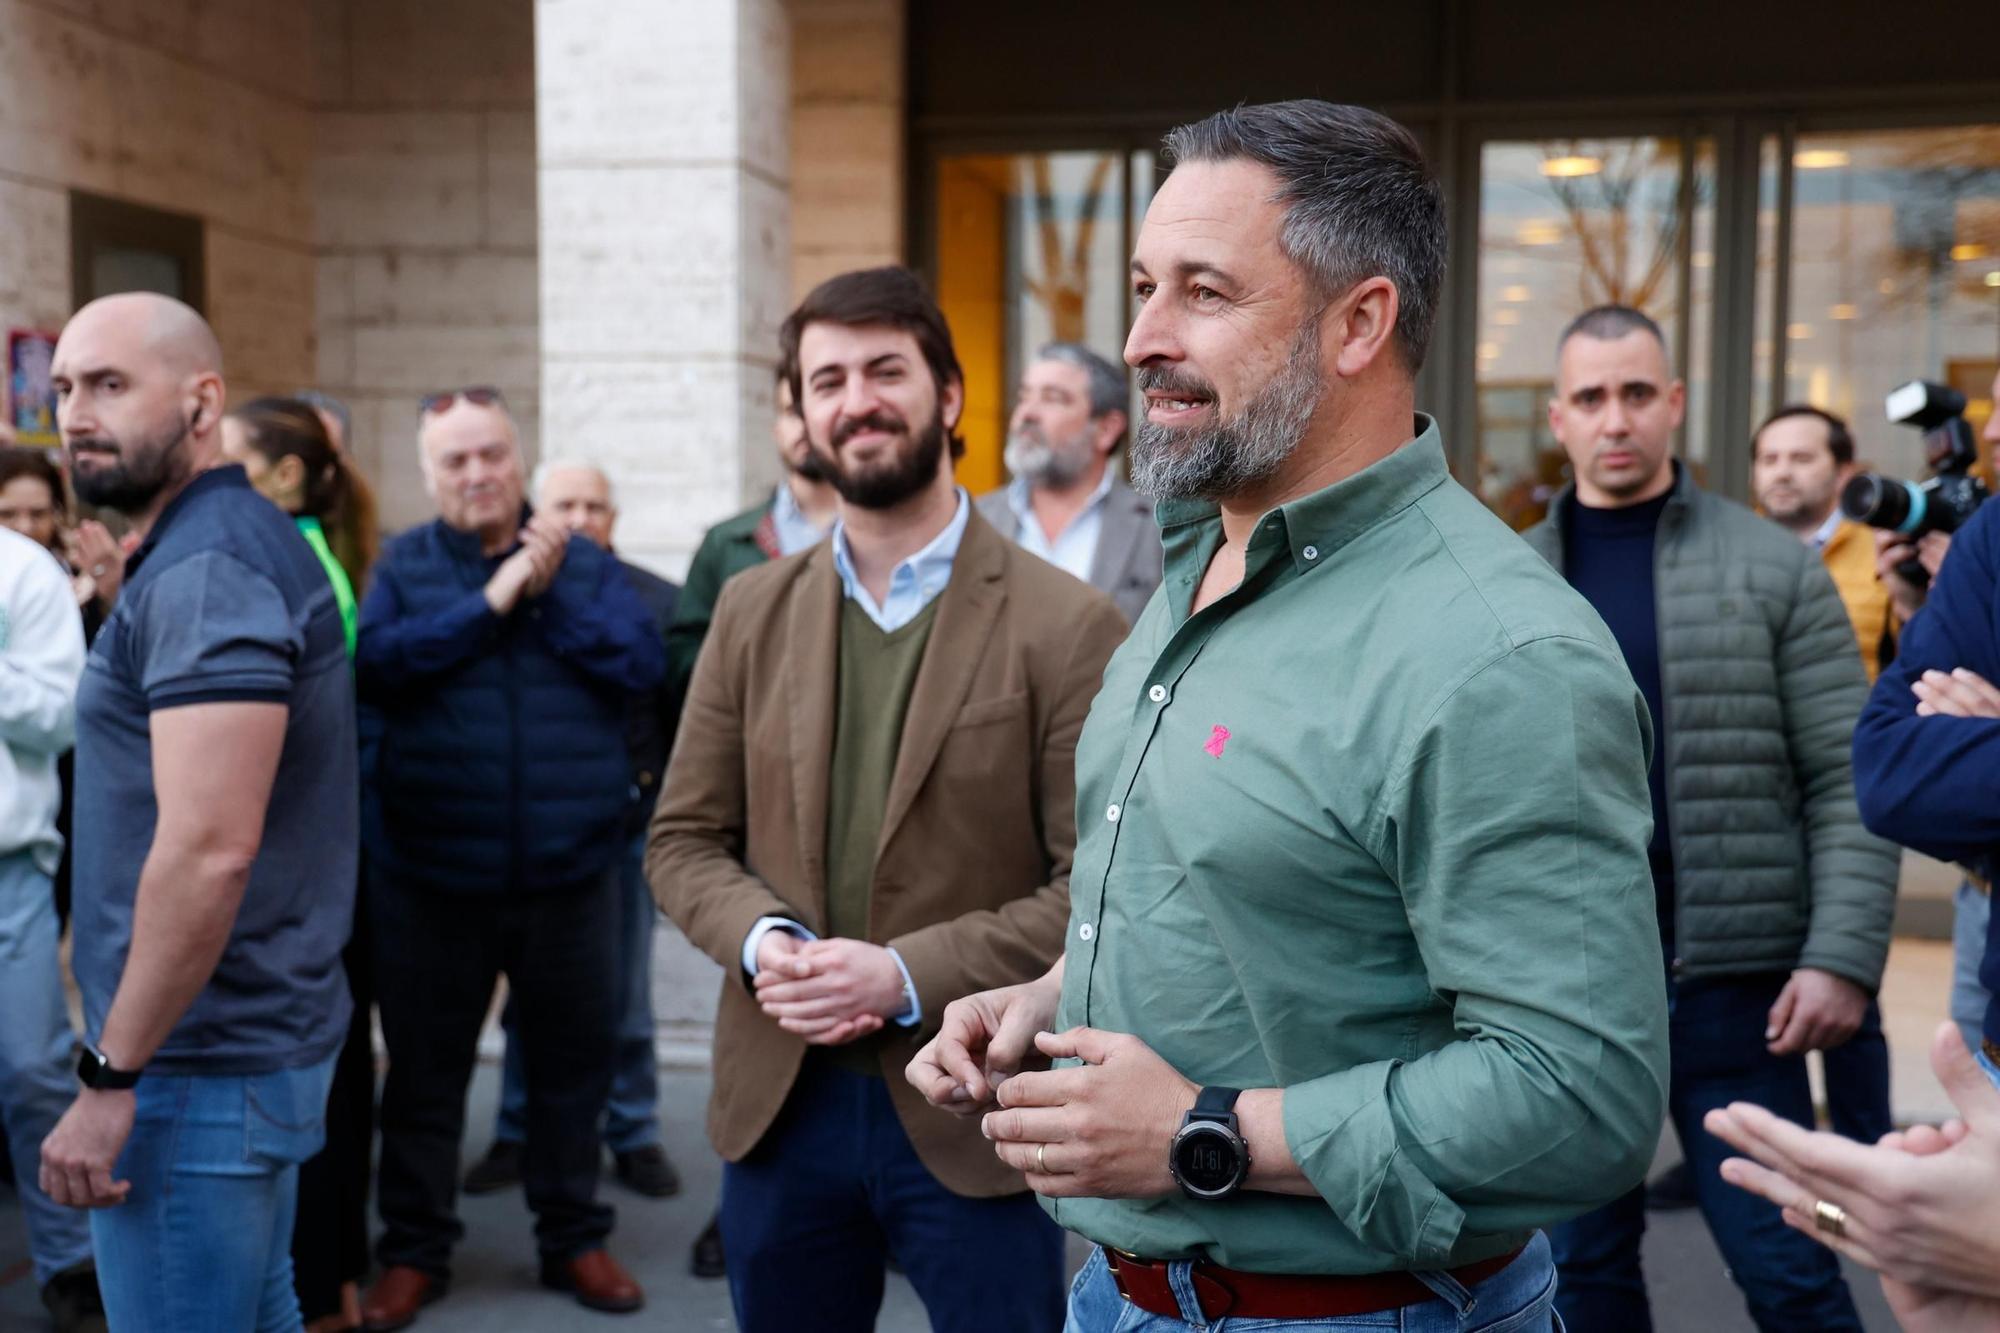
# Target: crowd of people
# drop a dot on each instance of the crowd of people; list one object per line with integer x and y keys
{"x": 1228, "y": 842}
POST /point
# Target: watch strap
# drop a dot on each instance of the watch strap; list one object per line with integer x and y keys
{"x": 1216, "y": 1103}
{"x": 96, "y": 1072}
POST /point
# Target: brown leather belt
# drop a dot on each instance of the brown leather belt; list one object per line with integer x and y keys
{"x": 1226, "y": 1291}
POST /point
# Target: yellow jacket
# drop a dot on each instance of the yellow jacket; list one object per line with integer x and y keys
{"x": 1850, "y": 557}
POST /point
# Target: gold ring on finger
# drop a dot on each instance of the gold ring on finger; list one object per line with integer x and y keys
{"x": 1041, "y": 1159}
{"x": 1830, "y": 1218}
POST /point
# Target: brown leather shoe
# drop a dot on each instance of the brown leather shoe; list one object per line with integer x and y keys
{"x": 397, "y": 1297}
{"x": 598, "y": 1280}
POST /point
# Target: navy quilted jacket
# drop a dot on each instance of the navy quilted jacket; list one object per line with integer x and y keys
{"x": 493, "y": 748}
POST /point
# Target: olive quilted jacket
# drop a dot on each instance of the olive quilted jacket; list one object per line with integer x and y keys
{"x": 1761, "y": 685}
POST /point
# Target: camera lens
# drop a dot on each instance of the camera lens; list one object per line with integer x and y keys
{"x": 1883, "y": 502}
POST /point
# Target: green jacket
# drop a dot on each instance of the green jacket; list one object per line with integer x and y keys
{"x": 1760, "y": 690}
{"x": 726, "y": 550}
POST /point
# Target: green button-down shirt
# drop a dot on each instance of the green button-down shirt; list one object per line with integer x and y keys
{"x": 1372, "y": 829}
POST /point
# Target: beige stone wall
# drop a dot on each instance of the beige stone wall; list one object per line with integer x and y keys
{"x": 196, "y": 106}
{"x": 848, "y": 156}
{"x": 424, "y": 222}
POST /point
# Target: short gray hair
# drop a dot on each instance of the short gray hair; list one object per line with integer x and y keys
{"x": 1360, "y": 200}
{"x": 1107, "y": 382}
{"x": 570, "y": 462}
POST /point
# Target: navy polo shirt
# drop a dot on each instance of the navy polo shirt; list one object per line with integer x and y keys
{"x": 225, "y": 602}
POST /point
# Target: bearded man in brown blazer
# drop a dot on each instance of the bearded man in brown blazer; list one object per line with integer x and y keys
{"x": 869, "y": 814}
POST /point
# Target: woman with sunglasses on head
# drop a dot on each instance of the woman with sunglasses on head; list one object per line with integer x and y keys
{"x": 284, "y": 446}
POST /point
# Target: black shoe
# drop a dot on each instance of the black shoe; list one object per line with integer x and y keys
{"x": 707, "y": 1259}
{"x": 648, "y": 1171}
{"x": 500, "y": 1169}
{"x": 1671, "y": 1190}
{"x": 73, "y": 1300}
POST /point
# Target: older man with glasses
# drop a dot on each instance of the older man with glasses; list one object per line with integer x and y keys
{"x": 497, "y": 651}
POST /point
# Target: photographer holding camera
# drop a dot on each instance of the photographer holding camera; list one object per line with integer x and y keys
{"x": 1919, "y": 1207}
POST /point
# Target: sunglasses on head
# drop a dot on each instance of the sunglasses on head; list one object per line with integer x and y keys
{"x": 479, "y": 395}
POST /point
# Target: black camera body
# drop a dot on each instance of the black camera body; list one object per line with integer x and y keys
{"x": 1942, "y": 502}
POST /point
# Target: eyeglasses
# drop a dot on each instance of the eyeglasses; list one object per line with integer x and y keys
{"x": 479, "y": 395}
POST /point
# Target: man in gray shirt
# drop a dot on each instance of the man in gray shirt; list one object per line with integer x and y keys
{"x": 216, "y": 834}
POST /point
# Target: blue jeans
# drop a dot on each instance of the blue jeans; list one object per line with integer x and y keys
{"x": 37, "y": 1057}
{"x": 1857, "y": 1081}
{"x": 1972, "y": 910}
{"x": 1517, "y": 1299}
{"x": 1792, "y": 1285}
{"x": 631, "y": 1117}
{"x": 812, "y": 1212}
{"x": 203, "y": 1244}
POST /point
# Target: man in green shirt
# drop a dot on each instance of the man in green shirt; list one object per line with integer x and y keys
{"x": 1362, "y": 810}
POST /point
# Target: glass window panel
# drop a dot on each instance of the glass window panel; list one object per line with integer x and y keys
{"x": 1565, "y": 225}
{"x": 1032, "y": 247}
{"x": 1895, "y": 275}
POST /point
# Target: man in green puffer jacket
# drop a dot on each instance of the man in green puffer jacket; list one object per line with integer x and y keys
{"x": 1774, "y": 902}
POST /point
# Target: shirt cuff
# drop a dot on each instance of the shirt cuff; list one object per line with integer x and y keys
{"x": 765, "y": 925}
{"x": 913, "y": 1010}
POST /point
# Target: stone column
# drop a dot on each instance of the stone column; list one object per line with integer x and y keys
{"x": 665, "y": 252}
{"x": 665, "y": 260}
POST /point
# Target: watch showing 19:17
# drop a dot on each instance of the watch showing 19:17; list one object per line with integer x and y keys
{"x": 1209, "y": 1159}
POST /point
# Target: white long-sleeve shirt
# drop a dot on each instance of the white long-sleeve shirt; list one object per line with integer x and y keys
{"x": 41, "y": 661}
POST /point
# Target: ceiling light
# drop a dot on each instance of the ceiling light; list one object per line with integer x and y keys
{"x": 1819, "y": 159}
{"x": 1506, "y": 317}
{"x": 1993, "y": 278}
{"x": 1574, "y": 165}
{"x": 1972, "y": 251}
{"x": 1515, "y": 293}
{"x": 1842, "y": 311}
{"x": 1798, "y": 332}
{"x": 1488, "y": 351}
{"x": 1539, "y": 233}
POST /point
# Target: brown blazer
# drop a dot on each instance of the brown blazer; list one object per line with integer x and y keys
{"x": 972, "y": 874}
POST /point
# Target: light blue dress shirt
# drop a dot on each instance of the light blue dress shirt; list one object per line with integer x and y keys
{"x": 795, "y": 531}
{"x": 1075, "y": 548}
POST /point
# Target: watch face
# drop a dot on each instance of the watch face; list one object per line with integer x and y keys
{"x": 1207, "y": 1159}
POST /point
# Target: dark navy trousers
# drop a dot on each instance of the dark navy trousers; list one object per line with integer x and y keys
{"x": 810, "y": 1217}
{"x": 1790, "y": 1283}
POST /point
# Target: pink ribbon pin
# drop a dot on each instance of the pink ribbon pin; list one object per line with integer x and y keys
{"x": 1216, "y": 740}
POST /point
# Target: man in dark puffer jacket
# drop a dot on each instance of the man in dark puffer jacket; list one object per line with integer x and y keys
{"x": 496, "y": 656}
{"x": 1774, "y": 902}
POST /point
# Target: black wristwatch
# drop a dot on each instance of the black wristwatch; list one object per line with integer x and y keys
{"x": 1209, "y": 1159}
{"x": 96, "y": 1072}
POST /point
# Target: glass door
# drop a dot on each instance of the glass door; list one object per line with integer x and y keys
{"x": 1566, "y": 224}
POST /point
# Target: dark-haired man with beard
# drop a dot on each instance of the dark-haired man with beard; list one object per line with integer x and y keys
{"x": 868, "y": 814}
{"x": 216, "y": 834}
{"x": 1349, "y": 1008}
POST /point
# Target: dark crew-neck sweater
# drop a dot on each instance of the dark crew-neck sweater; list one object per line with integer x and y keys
{"x": 1608, "y": 557}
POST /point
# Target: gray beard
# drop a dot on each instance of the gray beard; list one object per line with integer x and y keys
{"x": 1043, "y": 464}
{"x": 1228, "y": 457}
